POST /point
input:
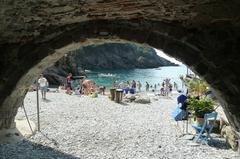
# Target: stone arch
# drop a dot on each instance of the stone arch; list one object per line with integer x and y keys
{"x": 195, "y": 47}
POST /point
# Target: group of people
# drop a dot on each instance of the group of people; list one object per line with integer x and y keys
{"x": 84, "y": 87}
{"x": 87, "y": 87}
{"x": 132, "y": 86}
{"x": 128, "y": 86}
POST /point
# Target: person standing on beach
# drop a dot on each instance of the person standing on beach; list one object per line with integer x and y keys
{"x": 127, "y": 87}
{"x": 102, "y": 90}
{"x": 133, "y": 84}
{"x": 69, "y": 81}
{"x": 81, "y": 86}
{"x": 139, "y": 86}
{"x": 147, "y": 87}
{"x": 175, "y": 86}
{"x": 116, "y": 85}
{"x": 167, "y": 84}
{"x": 43, "y": 85}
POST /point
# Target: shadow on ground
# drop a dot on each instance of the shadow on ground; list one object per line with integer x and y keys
{"x": 29, "y": 150}
{"x": 219, "y": 143}
{"x": 46, "y": 100}
{"x": 123, "y": 104}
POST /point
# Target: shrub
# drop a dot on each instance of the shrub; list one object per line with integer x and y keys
{"x": 200, "y": 107}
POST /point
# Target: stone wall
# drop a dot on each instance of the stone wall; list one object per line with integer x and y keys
{"x": 204, "y": 34}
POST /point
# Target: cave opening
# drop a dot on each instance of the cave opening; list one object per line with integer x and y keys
{"x": 186, "y": 45}
{"x": 54, "y": 117}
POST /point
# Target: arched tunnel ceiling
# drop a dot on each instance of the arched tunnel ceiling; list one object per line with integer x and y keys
{"x": 26, "y": 20}
{"x": 204, "y": 34}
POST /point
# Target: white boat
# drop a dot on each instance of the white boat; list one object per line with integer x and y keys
{"x": 106, "y": 75}
{"x": 87, "y": 71}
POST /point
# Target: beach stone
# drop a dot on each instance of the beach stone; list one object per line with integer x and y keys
{"x": 142, "y": 100}
{"x": 130, "y": 97}
{"x": 231, "y": 136}
{"x": 105, "y": 129}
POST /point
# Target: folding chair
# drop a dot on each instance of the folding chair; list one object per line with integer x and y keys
{"x": 205, "y": 128}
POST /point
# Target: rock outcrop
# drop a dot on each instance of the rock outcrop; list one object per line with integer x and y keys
{"x": 106, "y": 56}
{"x": 142, "y": 100}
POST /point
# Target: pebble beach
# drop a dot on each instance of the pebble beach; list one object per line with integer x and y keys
{"x": 74, "y": 127}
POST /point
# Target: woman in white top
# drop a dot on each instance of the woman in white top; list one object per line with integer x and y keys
{"x": 43, "y": 85}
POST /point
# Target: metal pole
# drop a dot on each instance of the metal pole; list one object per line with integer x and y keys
{"x": 38, "y": 118}
{"x": 187, "y": 123}
{"x": 27, "y": 117}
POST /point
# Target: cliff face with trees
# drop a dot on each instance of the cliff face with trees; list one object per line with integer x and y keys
{"x": 106, "y": 56}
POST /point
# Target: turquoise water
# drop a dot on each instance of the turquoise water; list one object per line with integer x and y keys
{"x": 152, "y": 76}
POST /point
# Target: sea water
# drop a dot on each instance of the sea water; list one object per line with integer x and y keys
{"x": 152, "y": 76}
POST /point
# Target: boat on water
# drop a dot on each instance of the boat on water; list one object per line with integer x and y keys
{"x": 87, "y": 71}
{"x": 106, "y": 75}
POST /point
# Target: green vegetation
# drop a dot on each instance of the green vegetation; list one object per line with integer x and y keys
{"x": 199, "y": 107}
{"x": 197, "y": 88}
{"x": 195, "y": 85}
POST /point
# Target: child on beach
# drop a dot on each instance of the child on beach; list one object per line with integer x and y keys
{"x": 102, "y": 90}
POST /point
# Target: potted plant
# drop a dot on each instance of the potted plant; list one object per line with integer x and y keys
{"x": 200, "y": 107}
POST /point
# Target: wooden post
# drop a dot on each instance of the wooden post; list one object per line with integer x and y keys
{"x": 38, "y": 116}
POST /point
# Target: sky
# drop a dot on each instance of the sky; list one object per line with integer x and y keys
{"x": 162, "y": 54}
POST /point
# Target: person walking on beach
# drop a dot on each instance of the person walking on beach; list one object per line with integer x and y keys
{"x": 43, "y": 85}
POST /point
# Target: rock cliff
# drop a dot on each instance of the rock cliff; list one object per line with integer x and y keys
{"x": 106, "y": 56}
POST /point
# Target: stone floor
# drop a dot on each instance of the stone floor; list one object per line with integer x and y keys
{"x": 97, "y": 128}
